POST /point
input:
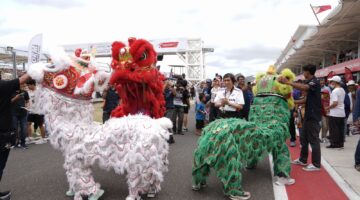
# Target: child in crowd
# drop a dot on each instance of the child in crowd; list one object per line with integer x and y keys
{"x": 200, "y": 113}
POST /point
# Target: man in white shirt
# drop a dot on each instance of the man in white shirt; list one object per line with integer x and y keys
{"x": 336, "y": 113}
{"x": 230, "y": 100}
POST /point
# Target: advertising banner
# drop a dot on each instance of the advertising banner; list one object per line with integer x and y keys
{"x": 34, "y": 49}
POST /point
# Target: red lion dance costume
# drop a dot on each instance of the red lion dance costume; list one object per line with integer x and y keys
{"x": 136, "y": 79}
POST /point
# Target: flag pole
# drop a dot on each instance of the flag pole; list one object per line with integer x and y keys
{"x": 315, "y": 14}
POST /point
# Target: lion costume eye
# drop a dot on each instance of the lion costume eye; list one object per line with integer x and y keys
{"x": 143, "y": 56}
{"x": 122, "y": 51}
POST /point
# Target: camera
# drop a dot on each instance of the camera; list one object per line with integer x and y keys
{"x": 179, "y": 88}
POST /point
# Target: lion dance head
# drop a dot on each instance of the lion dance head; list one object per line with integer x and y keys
{"x": 136, "y": 79}
{"x": 267, "y": 84}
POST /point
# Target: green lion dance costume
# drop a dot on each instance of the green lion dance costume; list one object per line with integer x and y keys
{"x": 229, "y": 145}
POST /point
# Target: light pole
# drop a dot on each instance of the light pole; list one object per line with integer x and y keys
{"x": 13, "y": 53}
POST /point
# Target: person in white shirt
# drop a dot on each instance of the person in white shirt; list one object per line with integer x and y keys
{"x": 230, "y": 100}
{"x": 34, "y": 117}
{"x": 336, "y": 113}
{"x": 352, "y": 94}
{"x": 214, "y": 111}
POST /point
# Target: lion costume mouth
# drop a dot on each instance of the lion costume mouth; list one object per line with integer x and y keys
{"x": 136, "y": 79}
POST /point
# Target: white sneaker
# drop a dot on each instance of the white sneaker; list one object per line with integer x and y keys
{"x": 243, "y": 197}
{"x": 311, "y": 168}
{"x": 284, "y": 181}
{"x": 151, "y": 193}
{"x": 30, "y": 140}
{"x": 298, "y": 162}
{"x": 196, "y": 187}
{"x": 40, "y": 141}
{"x": 97, "y": 195}
{"x": 70, "y": 193}
{"x": 199, "y": 186}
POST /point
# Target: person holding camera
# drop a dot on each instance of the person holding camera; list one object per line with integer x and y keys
{"x": 7, "y": 89}
{"x": 181, "y": 94}
{"x": 169, "y": 94}
{"x": 19, "y": 100}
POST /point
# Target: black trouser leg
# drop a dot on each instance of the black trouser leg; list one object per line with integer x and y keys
{"x": 304, "y": 143}
{"x": 180, "y": 118}
{"x": 310, "y": 135}
{"x": 357, "y": 154}
{"x": 314, "y": 140}
{"x": 170, "y": 113}
{"x": 106, "y": 116}
{"x": 213, "y": 112}
{"x": 342, "y": 131}
{"x": 292, "y": 127}
{"x": 336, "y": 131}
{"x": 4, "y": 154}
{"x": 176, "y": 110}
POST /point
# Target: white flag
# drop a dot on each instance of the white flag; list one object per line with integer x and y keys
{"x": 34, "y": 50}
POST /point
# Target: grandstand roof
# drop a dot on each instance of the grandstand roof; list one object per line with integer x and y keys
{"x": 338, "y": 31}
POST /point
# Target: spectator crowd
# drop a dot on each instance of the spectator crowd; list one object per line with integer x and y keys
{"x": 326, "y": 110}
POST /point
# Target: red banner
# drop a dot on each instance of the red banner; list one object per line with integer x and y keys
{"x": 348, "y": 74}
{"x": 353, "y": 65}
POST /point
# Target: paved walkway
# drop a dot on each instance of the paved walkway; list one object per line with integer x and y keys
{"x": 318, "y": 185}
{"x": 342, "y": 161}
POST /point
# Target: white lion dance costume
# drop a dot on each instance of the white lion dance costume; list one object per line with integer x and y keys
{"x": 134, "y": 144}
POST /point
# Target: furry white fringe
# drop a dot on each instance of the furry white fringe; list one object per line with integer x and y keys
{"x": 134, "y": 144}
{"x": 36, "y": 71}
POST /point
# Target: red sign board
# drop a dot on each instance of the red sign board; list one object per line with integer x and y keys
{"x": 168, "y": 44}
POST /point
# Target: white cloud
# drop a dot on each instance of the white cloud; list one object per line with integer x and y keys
{"x": 247, "y": 35}
{"x": 51, "y": 3}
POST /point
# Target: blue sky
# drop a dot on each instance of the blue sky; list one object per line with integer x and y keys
{"x": 247, "y": 35}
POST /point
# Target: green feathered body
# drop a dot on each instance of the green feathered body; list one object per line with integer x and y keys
{"x": 228, "y": 145}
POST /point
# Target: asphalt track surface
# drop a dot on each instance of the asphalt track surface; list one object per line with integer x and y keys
{"x": 37, "y": 174}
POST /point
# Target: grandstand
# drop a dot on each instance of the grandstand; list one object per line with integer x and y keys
{"x": 332, "y": 46}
